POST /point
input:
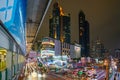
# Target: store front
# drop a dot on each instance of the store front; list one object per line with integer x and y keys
{"x": 9, "y": 51}
{"x": 3, "y": 53}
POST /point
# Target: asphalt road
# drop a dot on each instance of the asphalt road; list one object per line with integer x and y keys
{"x": 49, "y": 76}
{"x": 52, "y": 77}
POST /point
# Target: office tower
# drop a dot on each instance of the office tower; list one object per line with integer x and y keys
{"x": 117, "y": 53}
{"x": 59, "y": 24}
{"x": 98, "y": 50}
{"x": 84, "y": 34}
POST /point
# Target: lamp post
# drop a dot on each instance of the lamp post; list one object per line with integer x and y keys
{"x": 106, "y": 63}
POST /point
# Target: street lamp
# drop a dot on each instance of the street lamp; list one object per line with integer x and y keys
{"x": 106, "y": 63}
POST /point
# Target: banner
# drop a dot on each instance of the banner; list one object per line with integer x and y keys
{"x": 13, "y": 15}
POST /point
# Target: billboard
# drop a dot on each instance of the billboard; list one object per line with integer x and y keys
{"x": 13, "y": 15}
{"x": 47, "y": 53}
{"x": 32, "y": 54}
{"x": 77, "y": 51}
{"x": 48, "y": 40}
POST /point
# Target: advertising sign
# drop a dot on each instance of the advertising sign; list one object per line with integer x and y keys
{"x": 48, "y": 40}
{"x": 33, "y": 54}
{"x": 77, "y": 51}
{"x": 46, "y": 53}
{"x": 13, "y": 15}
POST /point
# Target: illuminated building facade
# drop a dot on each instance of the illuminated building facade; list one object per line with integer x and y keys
{"x": 84, "y": 40}
{"x": 59, "y": 25}
{"x": 55, "y": 48}
{"x": 47, "y": 47}
{"x": 65, "y": 48}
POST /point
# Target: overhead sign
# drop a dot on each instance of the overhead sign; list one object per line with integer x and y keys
{"x": 77, "y": 51}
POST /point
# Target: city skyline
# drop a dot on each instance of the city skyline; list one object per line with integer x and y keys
{"x": 103, "y": 17}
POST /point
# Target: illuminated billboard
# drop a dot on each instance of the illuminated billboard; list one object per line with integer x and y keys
{"x": 32, "y": 54}
{"x": 13, "y": 15}
{"x": 48, "y": 40}
{"x": 77, "y": 49}
{"x": 47, "y": 53}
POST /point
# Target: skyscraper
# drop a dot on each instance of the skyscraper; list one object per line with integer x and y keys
{"x": 98, "y": 50}
{"x": 84, "y": 34}
{"x": 59, "y": 24}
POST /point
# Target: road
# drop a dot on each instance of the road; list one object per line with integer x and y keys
{"x": 49, "y": 76}
{"x": 52, "y": 77}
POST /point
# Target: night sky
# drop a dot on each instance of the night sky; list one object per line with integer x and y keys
{"x": 102, "y": 15}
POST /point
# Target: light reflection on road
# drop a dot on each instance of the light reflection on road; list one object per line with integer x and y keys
{"x": 44, "y": 77}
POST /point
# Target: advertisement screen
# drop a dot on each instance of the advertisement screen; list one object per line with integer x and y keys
{"x": 47, "y": 53}
{"x": 13, "y": 15}
{"x": 77, "y": 51}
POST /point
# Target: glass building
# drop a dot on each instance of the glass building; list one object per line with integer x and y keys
{"x": 59, "y": 25}
{"x": 84, "y": 39}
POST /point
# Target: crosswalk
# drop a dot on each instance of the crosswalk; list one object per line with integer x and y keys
{"x": 100, "y": 74}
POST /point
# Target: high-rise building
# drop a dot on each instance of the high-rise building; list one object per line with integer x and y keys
{"x": 59, "y": 25}
{"x": 84, "y": 39}
{"x": 117, "y": 53}
{"x": 98, "y": 50}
